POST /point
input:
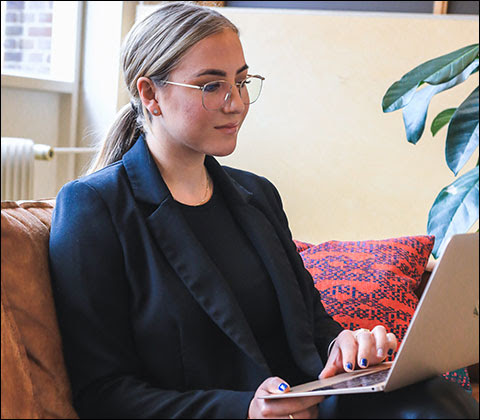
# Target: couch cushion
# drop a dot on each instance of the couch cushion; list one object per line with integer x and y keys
{"x": 27, "y": 288}
{"x": 17, "y": 389}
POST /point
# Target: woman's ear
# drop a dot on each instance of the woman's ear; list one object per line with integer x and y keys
{"x": 146, "y": 91}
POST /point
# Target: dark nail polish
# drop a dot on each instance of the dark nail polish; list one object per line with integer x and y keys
{"x": 349, "y": 366}
{"x": 363, "y": 362}
{"x": 390, "y": 352}
{"x": 283, "y": 386}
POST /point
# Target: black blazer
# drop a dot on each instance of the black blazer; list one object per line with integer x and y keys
{"x": 150, "y": 328}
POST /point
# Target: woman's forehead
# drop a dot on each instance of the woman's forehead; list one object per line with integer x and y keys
{"x": 222, "y": 51}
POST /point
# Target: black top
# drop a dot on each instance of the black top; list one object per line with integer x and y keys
{"x": 238, "y": 261}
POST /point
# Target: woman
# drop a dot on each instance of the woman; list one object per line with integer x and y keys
{"x": 179, "y": 290}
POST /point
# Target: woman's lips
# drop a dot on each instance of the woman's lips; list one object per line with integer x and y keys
{"x": 228, "y": 128}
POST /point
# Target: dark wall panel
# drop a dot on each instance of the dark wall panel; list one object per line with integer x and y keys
{"x": 455, "y": 7}
{"x": 362, "y": 6}
{"x": 463, "y": 7}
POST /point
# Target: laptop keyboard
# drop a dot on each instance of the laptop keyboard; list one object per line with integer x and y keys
{"x": 359, "y": 381}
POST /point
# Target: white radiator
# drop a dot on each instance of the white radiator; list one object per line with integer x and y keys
{"x": 17, "y": 168}
{"x": 18, "y": 157}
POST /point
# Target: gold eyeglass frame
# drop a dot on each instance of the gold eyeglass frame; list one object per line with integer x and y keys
{"x": 227, "y": 97}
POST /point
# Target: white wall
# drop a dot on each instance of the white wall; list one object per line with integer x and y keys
{"x": 99, "y": 75}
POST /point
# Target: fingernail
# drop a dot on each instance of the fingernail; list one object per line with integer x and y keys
{"x": 283, "y": 386}
{"x": 390, "y": 352}
{"x": 363, "y": 362}
{"x": 380, "y": 352}
{"x": 349, "y": 366}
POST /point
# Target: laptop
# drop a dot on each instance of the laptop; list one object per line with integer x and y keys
{"x": 442, "y": 335}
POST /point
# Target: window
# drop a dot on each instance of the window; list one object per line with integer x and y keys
{"x": 39, "y": 39}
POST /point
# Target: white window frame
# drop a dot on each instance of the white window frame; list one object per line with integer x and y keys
{"x": 65, "y": 53}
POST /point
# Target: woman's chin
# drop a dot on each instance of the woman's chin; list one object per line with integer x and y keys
{"x": 224, "y": 150}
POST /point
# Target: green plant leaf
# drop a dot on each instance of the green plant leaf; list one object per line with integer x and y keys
{"x": 441, "y": 119}
{"x": 436, "y": 71}
{"x": 455, "y": 210}
{"x": 462, "y": 134}
{"x": 415, "y": 113}
{"x": 455, "y": 63}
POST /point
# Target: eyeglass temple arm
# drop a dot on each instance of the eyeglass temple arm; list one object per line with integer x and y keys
{"x": 256, "y": 75}
{"x": 181, "y": 84}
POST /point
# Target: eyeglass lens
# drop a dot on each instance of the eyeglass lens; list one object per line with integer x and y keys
{"x": 216, "y": 93}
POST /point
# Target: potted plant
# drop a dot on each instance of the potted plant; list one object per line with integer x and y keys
{"x": 455, "y": 209}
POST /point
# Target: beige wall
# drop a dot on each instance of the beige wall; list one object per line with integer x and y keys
{"x": 344, "y": 168}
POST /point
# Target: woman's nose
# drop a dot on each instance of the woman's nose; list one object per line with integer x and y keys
{"x": 234, "y": 102}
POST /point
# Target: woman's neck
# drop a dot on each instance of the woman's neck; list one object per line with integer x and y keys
{"x": 183, "y": 171}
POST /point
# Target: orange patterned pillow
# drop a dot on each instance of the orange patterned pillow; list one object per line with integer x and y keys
{"x": 367, "y": 283}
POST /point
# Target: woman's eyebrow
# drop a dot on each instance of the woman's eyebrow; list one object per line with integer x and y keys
{"x": 221, "y": 73}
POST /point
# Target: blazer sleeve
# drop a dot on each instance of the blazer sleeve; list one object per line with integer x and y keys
{"x": 91, "y": 295}
{"x": 325, "y": 327}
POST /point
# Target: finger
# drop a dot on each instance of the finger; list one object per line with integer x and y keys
{"x": 333, "y": 365}
{"x": 392, "y": 343}
{"x": 381, "y": 342}
{"x": 310, "y": 413}
{"x": 348, "y": 347}
{"x": 274, "y": 385}
{"x": 304, "y": 404}
{"x": 366, "y": 346}
{"x": 271, "y": 408}
{"x": 329, "y": 370}
{"x": 282, "y": 407}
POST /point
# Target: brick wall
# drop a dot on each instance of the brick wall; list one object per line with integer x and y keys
{"x": 27, "y": 36}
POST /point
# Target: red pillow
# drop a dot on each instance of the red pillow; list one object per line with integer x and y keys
{"x": 302, "y": 246}
{"x": 367, "y": 283}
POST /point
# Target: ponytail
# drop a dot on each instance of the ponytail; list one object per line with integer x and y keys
{"x": 120, "y": 138}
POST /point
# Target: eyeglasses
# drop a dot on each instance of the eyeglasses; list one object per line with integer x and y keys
{"x": 216, "y": 94}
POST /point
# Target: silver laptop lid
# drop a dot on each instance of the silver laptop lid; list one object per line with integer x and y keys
{"x": 443, "y": 333}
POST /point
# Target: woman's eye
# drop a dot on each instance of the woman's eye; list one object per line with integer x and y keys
{"x": 212, "y": 87}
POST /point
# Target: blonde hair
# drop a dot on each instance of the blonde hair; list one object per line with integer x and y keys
{"x": 153, "y": 48}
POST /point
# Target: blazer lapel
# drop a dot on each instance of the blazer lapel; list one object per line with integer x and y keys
{"x": 185, "y": 254}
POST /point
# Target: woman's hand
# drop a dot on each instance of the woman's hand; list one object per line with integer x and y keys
{"x": 361, "y": 348}
{"x": 284, "y": 408}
